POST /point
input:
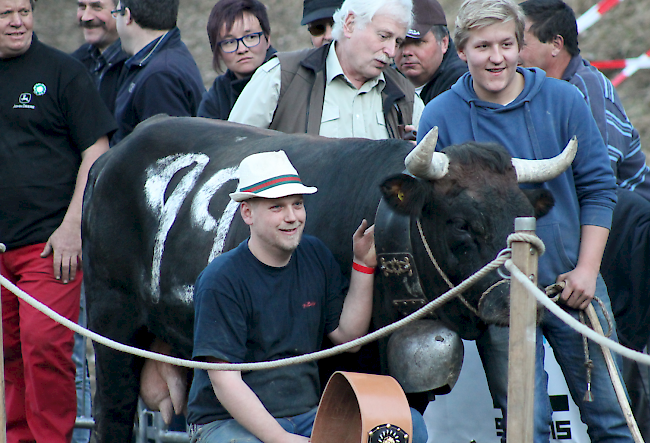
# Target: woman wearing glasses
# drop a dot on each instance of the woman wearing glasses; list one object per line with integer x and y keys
{"x": 240, "y": 38}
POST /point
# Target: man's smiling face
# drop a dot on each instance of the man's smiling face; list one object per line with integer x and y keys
{"x": 492, "y": 54}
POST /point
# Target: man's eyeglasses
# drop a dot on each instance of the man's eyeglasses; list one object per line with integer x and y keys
{"x": 119, "y": 11}
{"x": 319, "y": 27}
{"x": 232, "y": 44}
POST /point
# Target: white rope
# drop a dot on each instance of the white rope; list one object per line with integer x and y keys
{"x": 572, "y": 322}
{"x": 428, "y": 308}
{"x": 422, "y": 312}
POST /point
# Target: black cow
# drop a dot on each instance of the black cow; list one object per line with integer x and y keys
{"x": 156, "y": 211}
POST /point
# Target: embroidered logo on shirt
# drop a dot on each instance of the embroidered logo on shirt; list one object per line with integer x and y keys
{"x": 24, "y": 101}
{"x": 308, "y": 304}
{"x": 39, "y": 89}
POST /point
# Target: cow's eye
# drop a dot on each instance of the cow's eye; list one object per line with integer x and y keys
{"x": 460, "y": 225}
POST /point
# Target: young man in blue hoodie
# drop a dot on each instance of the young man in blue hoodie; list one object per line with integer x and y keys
{"x": 534, "y": 117}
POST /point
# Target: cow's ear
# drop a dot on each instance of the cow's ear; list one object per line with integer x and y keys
{"x": 403, "y": 193}
{"x": 541, "y": 199}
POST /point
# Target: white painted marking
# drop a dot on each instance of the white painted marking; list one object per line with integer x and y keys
{"x": 224, "y": 226}
{"x": 158, "y": 179}
{"x": 186, "y": 294}
{"x": 201, "y": 216}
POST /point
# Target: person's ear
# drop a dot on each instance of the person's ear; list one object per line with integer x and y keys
{"x": 348, "y": 24}
{"x": 127, "y": 15}
{"x": 558, "y": 45}
{"x": 462, "y": 55}
{"x": 444, "y": 44}
{"x": 246, "y": 211}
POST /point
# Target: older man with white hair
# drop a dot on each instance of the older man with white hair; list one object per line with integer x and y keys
{"x": 344, "y": 89}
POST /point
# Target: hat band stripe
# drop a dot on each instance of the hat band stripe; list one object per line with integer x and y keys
{"x": 271, "y": 183}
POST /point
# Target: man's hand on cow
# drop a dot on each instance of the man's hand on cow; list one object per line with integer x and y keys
{"x": 363, "y": 242}
{"x": 580, "y": 287}
{"x": 65, "y": 245}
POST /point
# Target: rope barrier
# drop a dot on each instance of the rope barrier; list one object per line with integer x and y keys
{"x": 593, "y": 14}
{"x": 572, "y": 322}
{"x": 503, "y": 258}
{"x": 428, "y": 308}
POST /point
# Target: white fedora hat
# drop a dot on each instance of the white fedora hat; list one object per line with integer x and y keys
{"x": 268, "y": 175}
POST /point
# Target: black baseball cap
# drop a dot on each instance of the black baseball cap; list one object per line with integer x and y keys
{"x": 426, "y": 14}
{"x": 313, "y": 10}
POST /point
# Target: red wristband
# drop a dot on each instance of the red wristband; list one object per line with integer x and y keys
{"x": 363, "y": 269}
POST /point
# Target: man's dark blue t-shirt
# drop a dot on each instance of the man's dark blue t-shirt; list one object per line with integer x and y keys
{"x": 246, "y": 311}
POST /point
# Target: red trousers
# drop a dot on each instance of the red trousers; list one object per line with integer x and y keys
{"x": 39, "y": 373}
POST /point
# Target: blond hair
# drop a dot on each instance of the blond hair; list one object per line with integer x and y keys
{"x": 478, "y": 14}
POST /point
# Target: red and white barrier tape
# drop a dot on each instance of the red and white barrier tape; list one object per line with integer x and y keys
{"x": 594, "y": 13}
{"x": 629, "y": 66}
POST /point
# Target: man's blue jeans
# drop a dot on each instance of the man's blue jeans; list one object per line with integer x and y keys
{"x": 229, "y": 431}
{"x": 82, "y": 379}
{"x": 604, "y": 419}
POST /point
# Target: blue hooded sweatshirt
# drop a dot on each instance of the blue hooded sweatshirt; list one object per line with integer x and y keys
{"x": 538, "y": 124}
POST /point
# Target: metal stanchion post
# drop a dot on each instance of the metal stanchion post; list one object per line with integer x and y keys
{"x": 3, "y": 413}
{"x": 521, "y": 358}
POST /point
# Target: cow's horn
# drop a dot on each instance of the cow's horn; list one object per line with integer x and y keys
{"x": 424, "y": 162}
{"x": 538, "y": 171}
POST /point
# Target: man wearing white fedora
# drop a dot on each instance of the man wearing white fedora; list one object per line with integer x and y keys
{"x": 276, "y": 295}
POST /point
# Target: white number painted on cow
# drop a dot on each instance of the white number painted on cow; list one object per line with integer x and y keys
{"x": 158, "y": 179}
{"x": 201, "y": 216}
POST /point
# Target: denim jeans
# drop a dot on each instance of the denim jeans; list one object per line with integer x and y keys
{"x": 604, "y": 419}
{"x": 229, "y": 431}
{"x": 82, "y": 378}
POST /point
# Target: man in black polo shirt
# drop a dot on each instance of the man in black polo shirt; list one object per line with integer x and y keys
{"x": 53, "y": 125}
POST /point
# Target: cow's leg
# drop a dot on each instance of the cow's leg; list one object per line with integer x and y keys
{"x": 116, "y": 397}
{"x": 118, "y": 374}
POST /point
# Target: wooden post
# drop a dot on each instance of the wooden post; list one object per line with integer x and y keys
{"x": 521, "y": 358}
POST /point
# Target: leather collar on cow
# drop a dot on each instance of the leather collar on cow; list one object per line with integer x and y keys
{"x": 399, "y": 279}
